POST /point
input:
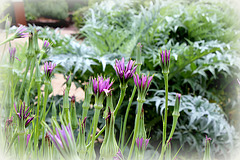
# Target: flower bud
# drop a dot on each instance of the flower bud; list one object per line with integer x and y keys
{"x": 73, "y": 114}
{"x": 142, "y": 84}
{"x": 69, "y": 82}
{"x": 177, "y": 104}
{"x": 48, "y": 69}
{"x": 165, "y": 61}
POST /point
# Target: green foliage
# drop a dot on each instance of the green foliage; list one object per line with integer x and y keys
{"x": 198, "y": 118}
{"x": 78, "y": 16}
{"x": 204, "y": 61}
{"x": 46, "y": 8}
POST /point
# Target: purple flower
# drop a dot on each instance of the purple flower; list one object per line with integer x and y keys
{"x": 208, "y": 138}
{"x": 118, "y": 156}
{"x": 57, "y": 140}
{"x": 142, "y": 82}
{"x": 123, "y": 73}
{"x": 101, "y": 84}
{"x": 21, "y": 32}
{"x": 48, "y": 69}
{"x": 141, "y": 143}
{"x": 12, "y": 52}
{"x": 165, "y": 60}
{"x": 178, "y": 96}
{"x": 24, "y": 114}
{"x": 46, "y": 45}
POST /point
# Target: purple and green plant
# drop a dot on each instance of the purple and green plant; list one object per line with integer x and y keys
{"x": 142, "y": 83}
{"x": 207, "y": 153}
{"x": 63, "y": 139}
{"x": 109, "y": 147}
{"x": 101, "y": 87}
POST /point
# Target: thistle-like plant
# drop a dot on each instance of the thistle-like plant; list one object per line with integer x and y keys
{"x": 142, "y": 83}
{"x": 101, "y": 88}
{"x": 63, "y": 139}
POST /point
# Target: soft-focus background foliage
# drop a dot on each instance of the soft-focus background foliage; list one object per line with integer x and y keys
{"x": 203, "y": 37}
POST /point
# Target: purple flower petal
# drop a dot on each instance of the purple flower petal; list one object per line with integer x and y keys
{"x": 28, "y": 137}
{"x": 29, "y": 121}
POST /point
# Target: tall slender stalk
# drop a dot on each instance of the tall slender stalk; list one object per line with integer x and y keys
{"x": 47, "y": 84}
{"x": 24, "y": 78}
{"x": 37, "y": 119}
{"x": 140, "y": 104}
{"x": 95, "y": 122}
{"x": 165, "y": 116}
{"x": 126, "y": 116}
{"x": 122, "y": 94}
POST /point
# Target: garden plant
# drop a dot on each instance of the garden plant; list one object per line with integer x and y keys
{"x": 152, "y": 79}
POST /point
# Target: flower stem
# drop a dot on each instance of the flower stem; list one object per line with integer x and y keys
{"x": 126, "y": 116}
{"x": 140, "y": 104}
{"x": 24, "y": 78}
{"x": 122, "y": 94}
{"x": 165, "y": 115}
{"x": 95, "y": 122}
{"x": 37, "y": 118}
{"x": 123, "y": 90}
{"x": 47, "y": 84}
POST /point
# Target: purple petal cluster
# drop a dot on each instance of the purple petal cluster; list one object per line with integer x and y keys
{"x": 165, "y": 57}
{"x": 46, "y": 45}
{"x": 118, "y": 156}
{"x": 178, "y": 96}
{"x": 21, "y": 32}
{"x": 208, "y": 138}
{"x": 48, "y": 69}
{"x": 101, "y": 84}
{"x": 141, "y": 142}
{"x": 57, "y": 138}
{"x": 165, "y": 60}
{"x": 24, "y": 114}
{"x": 142, "y": 82}
{"x": 12, "y": 52}
{"x": 123, "y": 73}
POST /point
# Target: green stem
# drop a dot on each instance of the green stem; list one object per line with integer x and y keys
{"x": 122, "y": 94}
{"x": 126, "y": 116}
{"x": 140, "y": 104}
{"x": 175, "y": 118}
{"x": 45, "y": 100}
{"x": 33, "y": 77}
{"x": 85, "y": 111}
{"x": 123, "y": 90}
{"x": 95, "y": 121}
{"x": 24, "y": 78}
{"x": 37, "y": 118}
{"x": 165, "y": 115}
